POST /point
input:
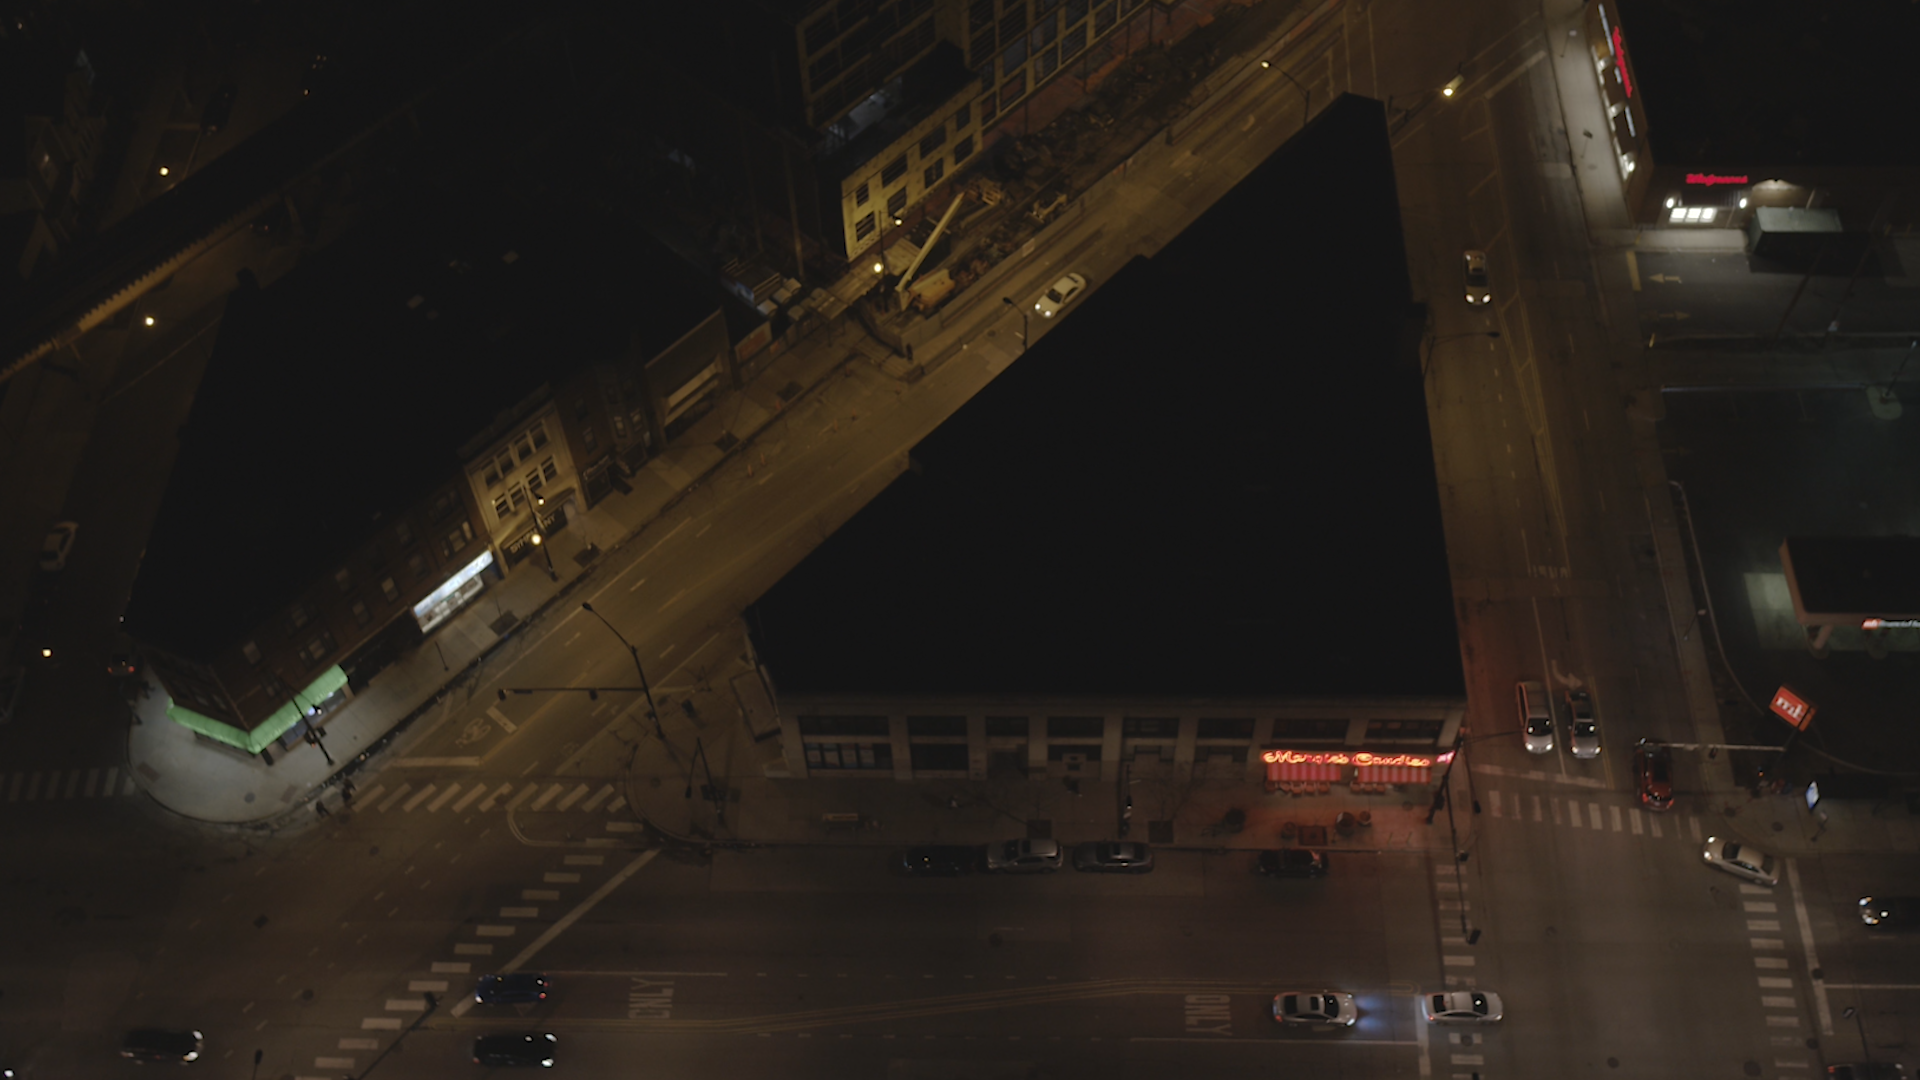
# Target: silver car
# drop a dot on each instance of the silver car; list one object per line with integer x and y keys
{"x": 1315, "y": 1007}
{"x": 1585, "y": 740}
{"x": 1741, "y": 860}
{"x": 1113, "y": 857}
{"x": 1463, "y": 1007}
{"x": 1478, "y": 292}
{"x": 1536, "y": 716}
{"x": 1025, "y": 856}
{"x": 1060, "y": 295}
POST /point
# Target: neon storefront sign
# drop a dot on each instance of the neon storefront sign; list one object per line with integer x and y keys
{"x": 1361, "y": 758}
{"x": 1710, "y": 179}
{"x": 1620, "y": 62}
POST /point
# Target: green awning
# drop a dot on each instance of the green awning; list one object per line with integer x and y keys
{"x": 274, "y": 726}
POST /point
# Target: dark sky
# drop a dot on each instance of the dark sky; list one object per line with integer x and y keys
{"x": 1215, "y": 477}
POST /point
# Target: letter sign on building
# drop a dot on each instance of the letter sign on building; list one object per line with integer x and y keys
{"x": 1792, "y": 708}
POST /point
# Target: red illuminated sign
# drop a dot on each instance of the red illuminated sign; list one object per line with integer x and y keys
{"x": 1710, "y": 179}
{"x": 1889, "y": 624}
{"x": 1342, "y": 757}
{"x": 1620, "y": 62}
{"x": 1792, "y": 708}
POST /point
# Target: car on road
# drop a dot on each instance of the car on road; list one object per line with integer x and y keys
{"x": 159, "y": 1044}
{"x": 1315, "y": 1007}
{"x": 512, "y": 988}
{"x": 1292, "y": 863}
{"x": 1025, "y": 857}
{"x": 1061, "y": 294}
{"x": 937, "y": 860}
{"x": 1868, "y": 1070}
{"x": 57, "y": 546}
{"x": 1536, "y": 716}
{"x": 1463, "y": 1007}
{"x": 1890, "y": 912}
{"x": 1584, "y": 739}
{"x": 1475, "y": 271}
{"x": 1653, "y": 774}
{"x": 532, "y": 1048}
{"x": 1113, "y": 857}
{"x": 1741, "y": 860}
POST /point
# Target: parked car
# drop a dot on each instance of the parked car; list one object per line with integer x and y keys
{"x": 1292, "y": 863}
{"x": 1025, "y": 857}
{"x": 1653, "y": 774}
{"x": 1316, "y": 1007}
{"x": 1463, "y": 1007}
{"x": 1057, "y": 297}
{"x": 1741, "y": 860}
{"x": 1890, "y": 912}
{"x": 1536, "y": 716}
{"x": 1475, "y": 271}
{"x": 524, "y": 1048}
{"x": 1585, "y": 738}
{"x": 1868, "y": 1070}
{"x": 157, "y": 1044}
{"x": 1113, "y": 857}
{"x": 937, "y": 860}
{"x": 512, "y": 988}
{"x": 57, "y": 546}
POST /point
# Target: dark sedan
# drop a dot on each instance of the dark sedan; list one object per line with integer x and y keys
{"x": 1890, "y": 912}
{"x": 1292, "y": 863}
{"x": 152, "y": 1044}
{"x": 513, "y": 988}
{"x": 1113, "y": 857}
{"x": 531, "y": 1048}
{"x": 937, "y": 860}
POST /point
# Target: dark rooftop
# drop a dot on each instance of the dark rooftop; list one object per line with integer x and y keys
{"x": 1214, "y": 478}
{"x": 334, "y": 402}
{"x": 1857, "y": 575}
{"x": 1789, "y": 82}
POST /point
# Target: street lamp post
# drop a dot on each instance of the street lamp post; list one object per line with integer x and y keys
{"x": 307, "y": 712}
{"x": 652, "y": 712}
{"x": 710, "y": 789}
{"x": 1008, "y": 300}
{"x": 1306, "y": 95}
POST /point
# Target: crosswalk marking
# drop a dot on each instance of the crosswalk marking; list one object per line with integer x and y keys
{"x": 1760, "y": 906}
{"x": 1456, "y": 961}
{"x": 1776, "y": 1020}
{"x": 1653, "y": 823}
{"x": 487, "y": 804}
{"x": 618, "y": 802}
{"x": 96, "y": 782}
{"x": 1493, "y": 799}
{"x": 1763, "y": 926}
{"x": 1614, "y": 812}
{"x": 1778, "y": 1001}
{"x": 379, "y": 1023}
{"x": 406, "y": 1005}
{"x": 1693, "y": 826}
{"x": 493, "y": 931}
{"x": 1769, "y": 943}
{"x": 442, "y": 967}
{"x": 605, "y": 790}
{"x": 434, "y": 806}
{"x": 33, "y": 787}
{"x": 1634, "y": 818}
{"x": 333, "y": 1063}
{"x": 1770, "y": 983}
{"x": 472, "y": 949}
{"x": 1536, "y": 808}
{"x": 573, "y": 796}
{"x": 372, "y": 797}
{"x": 467, "y": 800}
{"x": 525, "y": 794}
{"x": 418, "y": 798}
{"x": 398, "y": 793}
{"x": 1555, "y": 803}
{"x": 1593, "y": 815}
{"x": 1770, "y": 962}
{"x": 547, "y": 796}
{"x": 113, "y": 774}
{"x": 555, "y": 878}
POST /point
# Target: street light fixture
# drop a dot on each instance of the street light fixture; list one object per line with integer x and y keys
{"x": 652, "y": 712}
{"x": 1008, "y": 300}
{"x": 709, "y": 789}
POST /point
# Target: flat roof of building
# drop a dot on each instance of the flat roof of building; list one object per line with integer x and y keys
{"x": 1213, "y": 478}
{"x": 339, "y": 396}
{"x": 1796, "y": 82}
{"x": 1876, "y": 576}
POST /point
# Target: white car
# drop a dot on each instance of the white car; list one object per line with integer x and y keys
{"x": 1057, "y": 297}
{"x": 1463, "y": 1007}
{"x": 57, "y": 546}
{"x": 1536, "y": 716}
{"x": 1478, "y": 292}
{"x": 1315, "y": 1007}
{"x": 1741, "y": 860}
{"x": 1585, "y": 741}
{"x": 1025, "y": 856}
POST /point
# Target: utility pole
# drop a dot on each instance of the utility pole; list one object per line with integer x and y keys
{"x": 652, "y": 712}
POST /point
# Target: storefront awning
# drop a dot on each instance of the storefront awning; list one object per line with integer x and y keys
{"x": 263, "y": 733}
{"x": 1391, "y": 774}
{"x": 1286, "y": 772}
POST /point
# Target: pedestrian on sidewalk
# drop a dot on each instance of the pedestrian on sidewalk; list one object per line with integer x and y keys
{"x": 320, "y": 808}
{"x": 346, "y": 792}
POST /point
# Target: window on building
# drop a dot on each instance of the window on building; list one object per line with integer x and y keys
{"x": 1420, "y": 731}
{"x": 1225, "y": 729}
{"x": 1013, "y": 56}
{"x": 343, "y": 579}
{"x": 849, "y": 755}
{"x": 535, "y": 481}
{"x": 389, "y": 590}
{"x": 1150, "y": 727}
{"x": 1042, "y": 7}
{"x": 538, "y": 434}
{"x": 1044, "y": 63}
{"x": 1103, "y": 19}
{"x": 962, "y": 150}
{"x": 299, "y": 615}
{"x": 1076, "y": 11}
{"x": 863, "y": 228}
{"x": 1044, "y": 33}
{"x": 980, "y": 49}
{"x": 251, "y": 652}
{"x": 931, "y": 141}
{"x": 1084, "y": 751}
{"x": 1073, "y": 41}
{"x": 933, "y": 173}
{"x": 523, "y": 447}
{"x": 360, "y": 613}
{"x": 894, "y": 170}
{"x": 517, "y": 495}
{"x": 492, "y": 475}
{"x": 403, "y": 532}
{"x": 317, "y": 649}
{"x": 1014, "y": 22}
{"x": 844, "y": 725}
{"x": 861, "y": 194}
{"x": 823, "y": 69}
{"x": 1007, "y": 727}
{"x": 821, "y": 32}
{"x": 937, "y": 726}
{"x": 1013, "y": 89}
{"x": 1310, "y": 729}
{"x": 980, "y": 12}
{"x": 456, "y": 540}
{"x": 963, "y": 116}
{"x": 443, "y": 506}
{"x": 550, "y": 469}
{"x": 502, "y": 506}
{"x": 939, "y": 757}
{"x": 1692, "y": 215}
{"x": 986, "y": 107}
{"x": 897, "y": 202}
{"x": 1076, "y": 727}
{"x": 417, "y": 565}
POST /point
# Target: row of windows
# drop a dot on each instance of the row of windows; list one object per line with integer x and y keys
{"x": 865, "y": 225}
{"x": 522, "y": 447}
{"x": 1148, "y": 727}
{"x": 833, "y": 93}
{"x": 506, "y": 503}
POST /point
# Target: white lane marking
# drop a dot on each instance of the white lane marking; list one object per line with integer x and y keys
{"x": 1493, "y": 797}
{"x": 1769, "y": 962}
{"x": 434, "y": 806}
{"x": 443, "y": 967}
{"x": 427, "y": 986}
{"x": 419, "y": 797}
{"x": 539, "y": 894}
{"x": 1778, "y": 1001}
{"x": 554, "y": 878}
{"x": 1770, "y": 983}
{"x": 501, "y": 719}
{"x": 488, "y": 930}
{"x": 618, "y": 802}
{"x": 605, "y": 790}
{"x": 1634, "y": 817}
{"x": 1760, "y": 906}
{"x": 566, "y": 921}
{"x": 636, "y": 585}
{"x": 406, "y": 1005}
{"x": 380, "y": 1023}
{"x": 1693, "y": 826}
{"x": 1469, "y": 1059}
{"x": 1774, "y": 1020}
{"x": 573, "y": 796}
{"x": 373, "y": 796}
{"x": 623, "y": 826}
{"x": 1536, "y": 817}
{"x": 1763, "y": 926}
{"x": 1820, "y": 1006}
{"x": 73, "y": 784}
{"x": 398, "y": 793}
{"x": 1873, "y": 986}
{"x": 93, "y": 783}
{"x": 525, "y": 794}
{"x": 584, "y": 860}
{"x": 1420, "y": 1024}
{"x": 467, "y": 800}
{"x": 1593, "y": 815}
{"x": 1555, "y": 804}
{"x": 487, "y": 803}
{"x": 1768, "y": 943}
{"x": 1653, "y": 823}
{"x": 359, "y": 1044}
{"x": 519, "y": 912}
{"x": 547, "y": 797}
{"x": 1614, "y": 813}
{"x": 469, "y": 949}
{"x": 1456, "y": 961}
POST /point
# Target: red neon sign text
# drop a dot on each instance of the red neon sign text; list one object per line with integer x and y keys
{"x": 1620, "y": 62}
{"x": 1341, "y": 757}
{"x": 1792, "y": 708}
{"x": 1710, "y": 179}
{"x": 1889, "y": 624}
